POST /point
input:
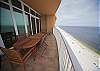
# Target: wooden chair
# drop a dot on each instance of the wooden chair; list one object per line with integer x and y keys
{"x": 43, "y": 44}
{"x": 14, "y": 57}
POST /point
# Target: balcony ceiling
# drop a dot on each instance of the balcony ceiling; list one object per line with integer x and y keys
{"x": 45, "y": 7}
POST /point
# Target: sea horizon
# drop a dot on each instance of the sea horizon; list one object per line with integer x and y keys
{"x": 85, "y": 34}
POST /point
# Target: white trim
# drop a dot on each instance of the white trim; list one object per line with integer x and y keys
{"x": 34, "y": 16}
{"x": 34, "y": 11}
{"x": 30, "y": 7}
{"x": 21, "y": 9}
{"x": 39, "y": 26}
{"x": 14, "y": 21}
{"x": 4, "y": 2}
{"x": 31, "y": 23}
{"x": 26, "y": 5}
{"x": 26, "y": 12}
{"x": 1, "y": 42}
{"x": 16, "y": 7}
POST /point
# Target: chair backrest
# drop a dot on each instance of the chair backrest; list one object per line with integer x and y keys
{"x": 43, "y": 38}
{"x": 12, "y": 55}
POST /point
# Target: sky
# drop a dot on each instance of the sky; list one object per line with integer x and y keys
{"x": 99, "y": 13}
{"x": 78, "y": 13}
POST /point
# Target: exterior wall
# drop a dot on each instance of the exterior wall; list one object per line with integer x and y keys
{"x": 50, "y": 19}
{"x": 47, "y": 23}
{"x": 43, "y": 23}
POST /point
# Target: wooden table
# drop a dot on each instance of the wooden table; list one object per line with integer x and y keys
{"x": 33, "y": 40}
{"x": 27, "y": 46}
{"x": 29, "y": 42}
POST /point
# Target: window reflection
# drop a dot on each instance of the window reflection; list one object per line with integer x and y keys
{"x": 33, "y": 13}
{"x": 27, "y": 19}
{"x": 33, "y": 25}
{"x": 16, "y": 3}
{"x": 6, "y": 20}
{"x": 40, "y": 24}
{"x": 19, "y": 21}
{"x": 6, "y": 26}
{"x": 5, "y": 1}
{"x": 26, "y": 8}
{"x": 37, "y": 22}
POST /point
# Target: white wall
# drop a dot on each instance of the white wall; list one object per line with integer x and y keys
{"x": 78, "y": 13}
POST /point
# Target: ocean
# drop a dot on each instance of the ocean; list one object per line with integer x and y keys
{"x": 87, "y": 35}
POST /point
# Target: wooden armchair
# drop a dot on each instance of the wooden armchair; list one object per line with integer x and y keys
{"x": 43, "y": 44}
{"x": 14, "y": 57}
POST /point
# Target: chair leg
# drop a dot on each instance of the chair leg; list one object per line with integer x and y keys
{"x": 45, "y": 44}
{"x": 43, "y": 51}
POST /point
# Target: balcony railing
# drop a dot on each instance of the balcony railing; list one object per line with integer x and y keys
{"x": 65, "y": 61}
{"x": 69, "y": 57}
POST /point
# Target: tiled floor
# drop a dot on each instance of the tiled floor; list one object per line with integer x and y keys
{"x": 47, "y": 62}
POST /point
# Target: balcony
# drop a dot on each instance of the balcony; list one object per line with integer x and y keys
{"x": 22, "y": 24}
{"x": 63, "y": 53}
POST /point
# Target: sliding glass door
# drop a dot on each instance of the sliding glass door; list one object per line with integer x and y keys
{"x": 6, "y": 25}
{"x": 38, "y": 25}
{"x": 19, "y": 21}
{"x": 33, "y": 25}
{"x": 28, "y": 23}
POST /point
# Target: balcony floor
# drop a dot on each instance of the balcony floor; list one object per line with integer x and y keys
{"x": 47, "y": 62}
